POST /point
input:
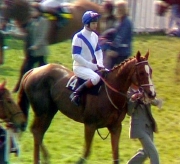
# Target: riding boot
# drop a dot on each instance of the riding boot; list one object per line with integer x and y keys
{"x": 75, "y": 96}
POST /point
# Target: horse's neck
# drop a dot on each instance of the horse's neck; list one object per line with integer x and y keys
{"x": 120, "y": 76}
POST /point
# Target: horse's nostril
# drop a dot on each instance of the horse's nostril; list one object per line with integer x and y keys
{"x": 151, "y": 95}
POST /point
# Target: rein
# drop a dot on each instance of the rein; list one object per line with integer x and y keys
{"x": 116, "y": 91}
{"x": 113, "y": 89}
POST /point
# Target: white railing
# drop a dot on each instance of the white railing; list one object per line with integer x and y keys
{"x": 143, "y": 15}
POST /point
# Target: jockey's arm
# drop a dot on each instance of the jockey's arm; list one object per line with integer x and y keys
{"x": 84, "y": 62}
{"x": 99, "y": 58}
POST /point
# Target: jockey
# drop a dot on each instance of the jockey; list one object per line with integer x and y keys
{"x": 87, "y": 54}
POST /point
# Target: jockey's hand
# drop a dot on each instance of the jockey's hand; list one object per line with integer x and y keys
{"x": 100, "y": 68}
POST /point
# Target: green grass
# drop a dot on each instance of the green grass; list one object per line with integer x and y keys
{"x": 64, "y": 138}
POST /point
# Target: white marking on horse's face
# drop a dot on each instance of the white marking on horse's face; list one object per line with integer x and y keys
{"x": 150, "y": 80}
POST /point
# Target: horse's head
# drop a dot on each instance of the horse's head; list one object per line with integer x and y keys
{"x": 143, "y": 76}
{"x": 9, "y": 110}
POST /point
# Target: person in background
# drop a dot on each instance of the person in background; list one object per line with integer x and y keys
{"x": 106, "y": 23}
{"x": 142, "y": 125}
{"x": 174, "y": 21}
{"x": 86, "y": 54}
{"x": 172, "y": 17}
{"x": 4, "y": 12}
{"x": 1, "y": 48}
{"x": 108, "y": 18}
{"x": 120, "y": 47}
{"x": 34, "y": 33}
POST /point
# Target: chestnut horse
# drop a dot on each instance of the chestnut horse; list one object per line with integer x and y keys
{"x": 9, "y": 110}
{"x": 44, "y": 88}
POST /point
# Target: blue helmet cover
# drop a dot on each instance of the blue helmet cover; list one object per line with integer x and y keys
{"x": 90, "y": 16}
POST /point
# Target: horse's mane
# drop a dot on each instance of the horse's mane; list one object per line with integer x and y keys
{"x": 124, "y": 63}
{"x": 127, "y": 62}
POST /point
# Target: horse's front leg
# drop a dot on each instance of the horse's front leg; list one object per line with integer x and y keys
{"x": 115, "y": 136}
{"x": 88, "y": 134}
{"x": 36, "y": 147}
{"x": 38, "y": 129}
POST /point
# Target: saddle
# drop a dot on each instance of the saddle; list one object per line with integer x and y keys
{"x": 74, "y": 82}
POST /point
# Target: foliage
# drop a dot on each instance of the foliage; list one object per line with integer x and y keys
{"x": 64, "y": 138}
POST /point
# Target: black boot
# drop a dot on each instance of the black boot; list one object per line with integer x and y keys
{"x": 75, "y": 96}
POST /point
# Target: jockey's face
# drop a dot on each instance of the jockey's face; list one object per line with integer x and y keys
{"x": 92, "y": 26}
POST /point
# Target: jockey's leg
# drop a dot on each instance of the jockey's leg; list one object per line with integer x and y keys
{"x": 75, "y": 96}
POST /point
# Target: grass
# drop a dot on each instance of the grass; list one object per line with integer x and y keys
{"x": 64, "y": 138}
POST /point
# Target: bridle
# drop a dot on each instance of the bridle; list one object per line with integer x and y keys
{"x": 142, "y": 85}
{"x": 119, "y": 92}
{"x": 12, "y": 115}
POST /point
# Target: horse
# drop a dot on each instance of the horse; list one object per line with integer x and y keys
{"x": 20, "y": 11}
{"x": 9, "y": 110}
{"x": 74, "y": 24}
{"x": 44, "y": 89}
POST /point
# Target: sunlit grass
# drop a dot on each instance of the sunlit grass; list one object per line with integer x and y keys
{"x": 64, "y": 138}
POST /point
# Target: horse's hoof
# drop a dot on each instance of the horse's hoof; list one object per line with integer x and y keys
{"x": 81, "y": 161}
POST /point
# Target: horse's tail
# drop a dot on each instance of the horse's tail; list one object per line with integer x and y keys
{"x": 23, "y": 101}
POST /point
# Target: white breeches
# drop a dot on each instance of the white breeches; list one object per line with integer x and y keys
{"x": 86, "y": 74}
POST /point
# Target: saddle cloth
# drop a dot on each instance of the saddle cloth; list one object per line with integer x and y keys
{"x": 62, "y": 11}
{"x": 74, "y": 82}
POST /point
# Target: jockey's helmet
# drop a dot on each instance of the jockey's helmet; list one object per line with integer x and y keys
{"x": 90, "y": 16}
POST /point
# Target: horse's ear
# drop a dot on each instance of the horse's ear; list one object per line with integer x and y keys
{"x": 147, "y": 55}
{"x": 138, "y": 55}
{"x": 2, "y": 86}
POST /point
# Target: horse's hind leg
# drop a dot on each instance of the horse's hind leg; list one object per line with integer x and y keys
{"x": 88, "y": 134}
{"x": 45, "y": 154}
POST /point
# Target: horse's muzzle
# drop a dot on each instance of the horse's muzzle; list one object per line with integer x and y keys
{"x": 152, "y": 95}
{"x": 23, "y": 126}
